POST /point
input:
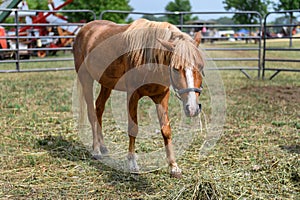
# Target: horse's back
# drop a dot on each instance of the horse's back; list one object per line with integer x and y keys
{"x": 91, "y": 35}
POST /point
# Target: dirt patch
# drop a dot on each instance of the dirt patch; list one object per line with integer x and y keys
{"x": 287, "y": 93}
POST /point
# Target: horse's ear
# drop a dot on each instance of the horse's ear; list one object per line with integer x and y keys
{"x": 177, "y": 35}
{"x": 169, "y": 45}
{"x": 197, "y": 38}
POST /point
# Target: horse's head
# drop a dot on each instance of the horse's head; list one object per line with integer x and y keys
{"x": 186, "y": 65}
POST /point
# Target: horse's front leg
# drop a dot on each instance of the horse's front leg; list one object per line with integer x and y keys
{"x": 162, "y": 112}
{"x": 132, "y": 104}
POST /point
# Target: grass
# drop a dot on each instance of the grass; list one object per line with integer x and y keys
{"x": 257, "y": 157}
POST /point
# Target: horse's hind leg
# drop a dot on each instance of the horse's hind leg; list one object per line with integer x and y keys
{"x": 161, "y": 102}
{"x": 87, "y": 88}
{"x": 100, "y": 106}
{"x": 132, "y": 130}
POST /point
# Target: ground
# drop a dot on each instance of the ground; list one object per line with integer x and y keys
{"x": 257, "y": 156}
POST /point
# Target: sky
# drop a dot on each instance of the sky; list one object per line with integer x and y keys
{"x": 159, "y": 5}
{"x": 197, "y": 5}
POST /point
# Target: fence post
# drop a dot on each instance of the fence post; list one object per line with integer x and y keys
{"x": 16, "y": 54}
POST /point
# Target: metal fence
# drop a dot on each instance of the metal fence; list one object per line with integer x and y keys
{"x": 287, "y": 36}
{"x": 228, "y": 63}
{"x": 258, "y": 59}
{"x": 45, "y": 34}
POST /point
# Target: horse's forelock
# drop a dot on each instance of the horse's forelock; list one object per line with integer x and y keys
{"x": 187, "y": 55}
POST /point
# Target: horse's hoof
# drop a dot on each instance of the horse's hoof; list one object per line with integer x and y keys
{"x": 104, "y": 150}
{"x": 133, "y": 166}
{"x": 176, "y": 175}
{"x": 176, "y": 172}
{"x": 134, "y": 170}
{"x": 97, "y": 156}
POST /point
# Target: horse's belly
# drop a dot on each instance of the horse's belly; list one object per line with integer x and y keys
{"x": 118, "y": 78}
{"x": 113, "y": 83}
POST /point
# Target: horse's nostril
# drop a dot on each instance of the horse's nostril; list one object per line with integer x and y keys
{"x": 187, "y": 107}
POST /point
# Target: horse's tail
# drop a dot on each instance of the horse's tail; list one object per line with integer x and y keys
{"x": 79, "y": 105}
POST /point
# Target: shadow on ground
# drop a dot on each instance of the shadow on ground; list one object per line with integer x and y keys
{"x": 72, "y": 150}
{"x": 291, "y": 148}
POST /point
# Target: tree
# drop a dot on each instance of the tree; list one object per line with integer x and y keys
{"x": 260, "y": 6}
{"x": 288, "y": 5}
{"x": 37, "y": 5}
{"x": 98, "y": 6}
{"x": 154, "y": 18}
{"x": 95, "y": 5}
{"x": 224, "y": 20}
{"x": 179, "y": 5}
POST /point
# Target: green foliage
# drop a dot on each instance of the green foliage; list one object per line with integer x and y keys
{"x": 178, "y": 5}
{"x": 224, "y": 20}
{"x": 260, "y": 6}
{"x": 287, "y": 5}
{"x": 37, "y": 4}
{"x": 95, "y": 5}
{"x": 154, "y": 18}
{"x": 98, "y": 6}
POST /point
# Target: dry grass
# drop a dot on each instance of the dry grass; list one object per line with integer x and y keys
{"x": 258, "y": 156}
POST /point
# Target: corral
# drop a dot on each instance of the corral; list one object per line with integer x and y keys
{"x": 257, "y": 156}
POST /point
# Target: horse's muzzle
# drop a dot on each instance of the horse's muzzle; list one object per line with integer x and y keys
{"x": 192, "y": 111}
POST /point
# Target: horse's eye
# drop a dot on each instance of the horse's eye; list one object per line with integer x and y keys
{"x": 176, "y": 70}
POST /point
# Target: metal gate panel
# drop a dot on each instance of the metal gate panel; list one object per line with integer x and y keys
{"x": 286, "y": 37}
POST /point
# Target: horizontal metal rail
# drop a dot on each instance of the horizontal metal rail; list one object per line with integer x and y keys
{"x": 36, "y": 60}
{"x": 282, "y": 49}
{"x": 36, "y": 37}
{"x": 225, "y": 37}
{"x": 221, "y": 26}
{"x": 38, "y": 49}
{"x": 37, "y": 70}
{"x": 41, "y": 24}
{"x": 232, "y": 59}
{"x": 232, "y": 49}
{"x": 281, "y": 60}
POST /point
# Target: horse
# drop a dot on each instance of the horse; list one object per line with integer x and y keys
{"x": 143, "y": 58}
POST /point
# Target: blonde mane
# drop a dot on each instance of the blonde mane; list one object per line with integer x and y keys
{"x": 143, "y": 46}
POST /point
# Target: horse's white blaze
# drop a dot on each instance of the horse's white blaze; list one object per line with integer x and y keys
{"x": 192, "y": 99}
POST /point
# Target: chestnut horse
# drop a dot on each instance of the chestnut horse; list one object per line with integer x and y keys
{"x": 143, "y": 59}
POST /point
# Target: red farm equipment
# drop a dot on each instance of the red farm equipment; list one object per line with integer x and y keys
{"x": 37, "y": 34}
